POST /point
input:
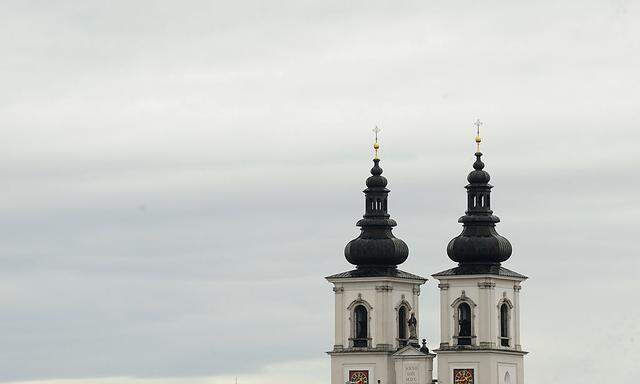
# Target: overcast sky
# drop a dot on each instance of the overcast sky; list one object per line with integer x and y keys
{"x": 177, "y": 178}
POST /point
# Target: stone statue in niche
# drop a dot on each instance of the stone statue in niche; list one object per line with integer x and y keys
{"x": 413, "y": 334}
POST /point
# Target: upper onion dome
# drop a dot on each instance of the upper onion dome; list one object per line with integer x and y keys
{"x": 376, "y": 180}
{"x": 478, "y": 175}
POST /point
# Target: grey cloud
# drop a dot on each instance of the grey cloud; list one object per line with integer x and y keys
{"x": 178, "y": 178}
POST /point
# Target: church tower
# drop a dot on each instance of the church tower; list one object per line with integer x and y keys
{"x": 479, "y": 299}
{"x": 376, "y": 304}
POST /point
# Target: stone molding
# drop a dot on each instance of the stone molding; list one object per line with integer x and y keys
{"x": 363, "y": 351}
{"x": 384, "y": 288}
{"x": 338, "y": 290}
{"x": 486, "y": 284}
{"x": 487, "y": 344}
{"x": 477, "y": 349}
{"x": 443, "y": 286}
{"x": 505, "y": 300}
{"x": 463, "y": 298}
{"x": 402, "y": 302}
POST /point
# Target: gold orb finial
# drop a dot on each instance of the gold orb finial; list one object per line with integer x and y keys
{"x": 376, "y": 146}
{"x": 478, "y": 124}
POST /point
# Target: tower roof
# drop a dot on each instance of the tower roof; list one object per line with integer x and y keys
{"x": 479, "y": 244}
{"x": 376, "y": 249}
{"x": 480, "y": 269}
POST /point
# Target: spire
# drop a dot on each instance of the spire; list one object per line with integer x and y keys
{"x": 479, "y": 243}
{"x": 376, "y": 247}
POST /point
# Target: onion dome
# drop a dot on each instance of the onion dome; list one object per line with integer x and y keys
{"x": 479, "y": 243}
{"x": 376, "y": 247}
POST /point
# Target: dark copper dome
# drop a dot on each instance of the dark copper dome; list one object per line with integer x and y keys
{"x": 479, "y": 243}
{"x": 376, "y": 247}
{"x": 478, "y": 175}
{"x": 376, "y": 180}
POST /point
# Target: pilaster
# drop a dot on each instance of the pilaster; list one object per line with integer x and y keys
{"x": 486, "y": 318}
{"x": 445, "y": 334}
{"x": 516, "y": 317}
{"x": 416, "y": 305}
{"x": 339, "y": 318}
{"x": 382, "y": 339}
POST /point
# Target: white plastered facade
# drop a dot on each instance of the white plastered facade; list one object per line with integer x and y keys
{"x": 491, "y": 361}
{"x": 382, "y": 296}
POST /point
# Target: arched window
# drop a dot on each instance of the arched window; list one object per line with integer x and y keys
{"x": 402, "y": 325}
{"x": 504, "y": 325}
{"x": 361, "y": 323}
{"x": 464, "y": 324}
{"x": 507, "y": 378}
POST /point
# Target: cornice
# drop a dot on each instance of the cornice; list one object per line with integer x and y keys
{"x": 479, "y": 277}
{"x": 382, "y": 279}
{"x": 477, "y": 349}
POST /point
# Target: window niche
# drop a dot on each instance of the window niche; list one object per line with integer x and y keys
{"x": 360, "y": 318}
{"x": 403, "y": 312}
{"x": 504, "y": 317}
{"x": 464, "y": 319}
{"x": 361, "y": 315}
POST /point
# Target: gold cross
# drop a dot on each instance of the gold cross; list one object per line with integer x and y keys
{"x": 478, "y": 124}
{"x": 376, "y": 146}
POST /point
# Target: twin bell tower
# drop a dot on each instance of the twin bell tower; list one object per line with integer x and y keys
{"x": 377, "y": 337}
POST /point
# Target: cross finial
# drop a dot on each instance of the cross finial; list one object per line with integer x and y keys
{"x": 376, "y": 146}
{"x": 478, "y": 124}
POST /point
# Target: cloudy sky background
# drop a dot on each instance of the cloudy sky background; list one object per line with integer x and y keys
{"x": 178, "y": 177}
